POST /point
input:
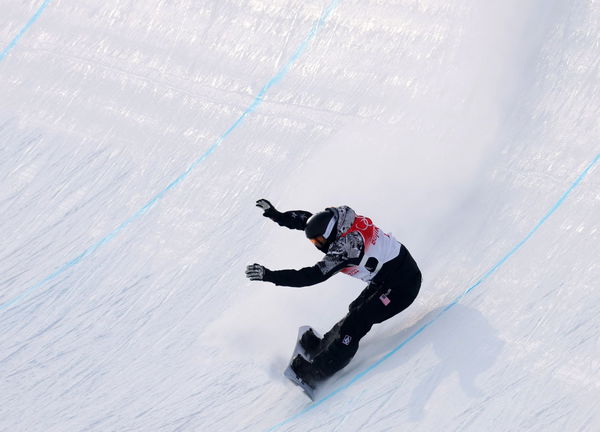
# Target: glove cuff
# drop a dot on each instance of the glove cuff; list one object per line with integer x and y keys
{"x": 271, "y": 213}
{"x": 267, "y": 276}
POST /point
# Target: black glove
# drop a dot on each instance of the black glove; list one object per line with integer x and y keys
{"x": 256, "y": 272}
{"x": 268, "y": 209}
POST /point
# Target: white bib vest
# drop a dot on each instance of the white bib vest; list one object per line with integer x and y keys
{"x": 379, "y": 249}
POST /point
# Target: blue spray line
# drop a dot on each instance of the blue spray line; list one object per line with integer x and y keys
{"x": 26, "y": 27}
{"x": 253, "y": 106}
{"x": 456, "y": 301}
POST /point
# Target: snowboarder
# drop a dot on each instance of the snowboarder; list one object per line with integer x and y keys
{"x": 352, "y": 245}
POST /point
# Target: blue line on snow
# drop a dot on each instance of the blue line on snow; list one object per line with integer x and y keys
{"x": 26, "y": 27}
{"x": 251, "y": 108}
{"x": 482, "y": 279}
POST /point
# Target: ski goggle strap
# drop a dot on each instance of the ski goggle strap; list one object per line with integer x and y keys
{"x": 330, "y": 226}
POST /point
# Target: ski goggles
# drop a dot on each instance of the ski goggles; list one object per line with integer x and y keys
{"x": 318, "y": 241}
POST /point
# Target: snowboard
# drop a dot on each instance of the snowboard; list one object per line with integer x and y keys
{"x": 289, "y": 372}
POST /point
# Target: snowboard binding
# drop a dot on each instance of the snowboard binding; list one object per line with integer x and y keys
{"x": 300, "y": 370}
{"x": 311, "y": 343}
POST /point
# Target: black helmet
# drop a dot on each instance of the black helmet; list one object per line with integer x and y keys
{"x": 322, "y": 224}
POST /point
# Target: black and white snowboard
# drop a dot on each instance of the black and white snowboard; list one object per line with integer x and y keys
{"x": 290, "y": 374}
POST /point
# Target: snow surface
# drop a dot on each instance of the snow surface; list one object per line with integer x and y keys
{"x": 457, "y": 125}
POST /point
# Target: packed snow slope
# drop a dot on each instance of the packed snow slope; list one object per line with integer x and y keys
{"x": 135, "y": 138}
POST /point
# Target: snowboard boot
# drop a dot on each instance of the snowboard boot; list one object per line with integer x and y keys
{"x": 311, "y": 343}
{"x": 306, "y": 371}
{"x": 335, "y": 356}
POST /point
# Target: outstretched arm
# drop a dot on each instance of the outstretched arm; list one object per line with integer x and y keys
{"x": 342, "y": 254}
{"x": 295, "y": 219}
{"x": 292, "y": 278}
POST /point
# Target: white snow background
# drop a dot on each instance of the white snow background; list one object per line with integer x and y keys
{"x": 456, "y": 125}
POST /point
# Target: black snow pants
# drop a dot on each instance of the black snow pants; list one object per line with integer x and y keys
{"x": 392, "y": 290}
